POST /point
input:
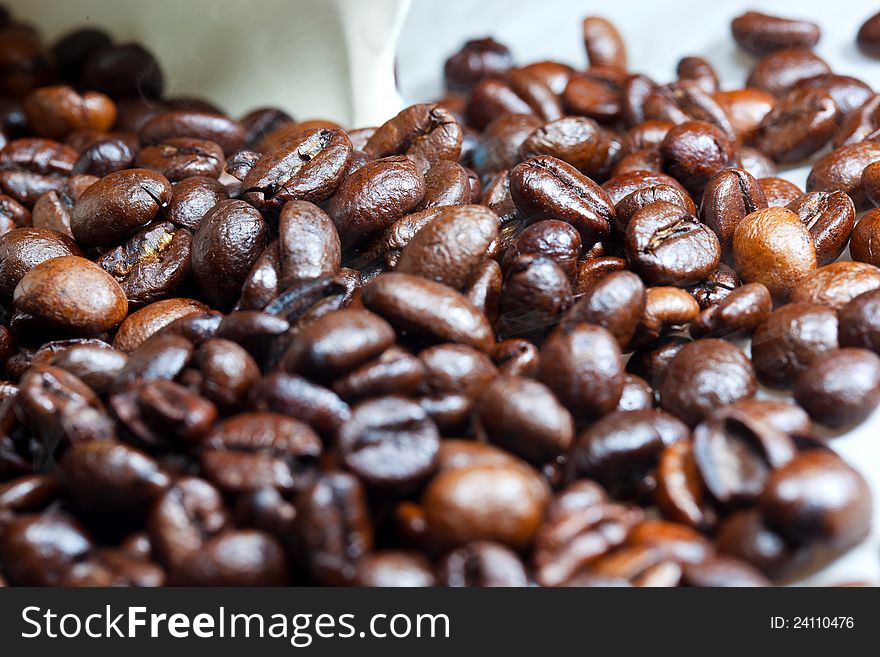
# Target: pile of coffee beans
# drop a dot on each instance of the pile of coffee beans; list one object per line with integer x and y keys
{"x": 495, "y": 341}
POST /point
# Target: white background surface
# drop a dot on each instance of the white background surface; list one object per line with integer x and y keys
{"x": 657, "y": 35}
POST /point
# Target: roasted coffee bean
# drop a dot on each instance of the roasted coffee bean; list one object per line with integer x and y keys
{"x": 307, "y": 242}
{"x": 335, "y": 527}
{"x": 534, "y": 295}
{"x": 779, "y": 71}
{"x": 849, "y": 93}
{"x": 685, "y": 101}
{"x": 544, "y": 187}
{"x": 501, "y": 502}
{"x": 113, "y": 567}
{"x": 106, "y": 155}
{"x": 756, "y": 163}
{"x": 261, "y": 122}
{"x": 395, "y": 372}
{"x": 746, "y": 108}
{"x": 830, "y": 218}
{"x": 700, "y": 71}
{"x": 482, "y": 563}
{"x": 240, "y": 557}
{"x": 779, "y": 192}
{"x": 801, "y": 123}
{"x": 615, "y": 302}
{"x": 781, "y": 415}
{"x": 228, "y": 372}
{"x": 456, "y": 368}
{"x": 307, "y": 166}
{"x": 693, "y": 151}
{"x": 634, "y": 91}
{"x": 94, "y": 365}
{"x": 318, "y": 407}
{"x": 817, "y": 497}
{"x": 255, "y": 450}
{"x": 449, "y": 248}
{"x": 389, "y": 442}
{"x": 523, "y": 416}
{"x": 162, "y": 357}
{"x": 730, "y": 195}
{"x": 840, "y": 387}
{"x": 28, "y": 493}
{"x": 516, "y": 357}
{"x": 427, "y": 309}
{"x": 868, "y": 38}
{"x": 704, "y": 375}
{"x": 24, "y": 248}
{"x": 227, "y": 133}
{"x": 36, "y": 549}
{"x": 718, "y": 571}
{"x": 837, "y": 284}
{"x": 182, "y": 157}
{"x": 152, "y": 264}
{"x": 637, "y": 395}
{"x": 54, "y": 112}
{"x": 744, "y": 309}
{"x": 477, "y": 59}
{"x": 666, "y": 245}
{"x": 592, "y": 96}
{"x": 111, "y": 477}
{"x": 122, "y": 71}
{"x": 759, "y": 34}
{"x": 31, "y": 167}
{"x": 680, "y": 494}
{"x": 842, "y": 170}
{"x": 632, "y": 203}
{"x": 446, "y": 183}
{"x": 577, "y": 140}
{"x": 501, "y": 141}
{"x": 118, "y": 205}
{"x": 735, "y": 454}
{"x": 191, "y": 199}
{"x": 553, "y": 239}
{"x": 492, "y": 98}
{"x": 790, "y": 339}
{"x": 666, "y": 309}
{"x": 142, "y": 324}
{"x": 12, "y": 214}
{"x": 860, "y": 322}
{"x": 604, "y": 44}
{"x": 71, "y": 294}
{"x": 773, "y": 247}
{"x": 376, "y": 195}
{"x": 225, "y": 247}
{"x": 426, "y": 133}
{"x": 593, "y": 270}
{"x": 53, "y": 209}
{"x": 394, "y": 568}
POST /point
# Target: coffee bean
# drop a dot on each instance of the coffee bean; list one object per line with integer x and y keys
{"x": 36, "y": 549}
{"x": 680, "y": 494}
{"x": 142, "y": 324}
{"x": 54, "y": 112}
{"x": 830, "y": 218}
{"x": 790, "y": 339}
{"x": 759, "y": 34}
{"x": 228, "y": 372}
{"x": 615, "y": 302}
{"x": 800, "y": 124}
{"x": 840, "y": 387}
{"x": 395, "y": 568}
{"x": 666, "y": 309}
{"x": 426, "y": 133}
{"x": 860, "y": 322}
{"x": 842, "y": 170}
{"x": 773, "y": 247}
{"x": 94, "y": 365}
{"x": 744, "y": 309}
{"x": 191, "y": 199}
{"x": 592, "y": 96}
{"x": 837, "y": 284}
{"x": 632, "y": 203}
{"x": 477, "y": 59}
{"x": 780, "y": 70}
{"x": 24, "y": 248}
{"x": 534, "y": 295}
{"x": 868, "y": 38}
{"x": 122, "y": 71}
{"x": 730, "y": 195}
{"x": 31, "y": 167}
{"x": 849, "y": 93}
{"x": 704, "y": 375}
{"x": 554, "y": 239}
{"x": 179, "y": 158}
{"x": 577, "y": 140}
{"x": 603, "y": 42}
{"x": 779, "y": 192}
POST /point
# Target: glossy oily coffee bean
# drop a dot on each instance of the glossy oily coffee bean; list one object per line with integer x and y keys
{"x": 545, "y": 187}
{"x": 592, "y": 96}
{"x": 603, "y": 43}
{"x": 615, "y": 302}
{"x": 318, "y": 407}
{"x": 837, "y": 284}
{"x": 255, "y": 450}
{"x": 226, "y": 245}
{"x": 745, "y": 108}
{"x": 744, "y": 309}
{"x": 219, "y": 561}
{"x": 785, "y": 344}
{"x": 801, "y": 123}
{"x": 666, "y": 245}
{"x": 666, "y": 309}
{"x": 534, "y": 295}
{"x": 871, "y": 183}
{"x": 773, "y": 247}
{"x": 523, "y": 416}
{"x": 864, "y": 245}
{"x": 842, "y": 170}
{"x": 36, "y": 549}
{"x": 450, "y": 247}
{"x": 501, "y": 141}
{"x": 684, "y": 101}
{"x": 182, "y": 157}
{"x": 106, "y": 155}
{"x": 456, "y": 368}
{"x": 376, "y": 195}
{"x": 24, "y": 248}
{"x": 779, "y": 192}
{"x": 308, "y": 166}
{"x": 583, "y": 366}
{"x": 693, "y": 151}
{"x": 426, "y": 133}
{"x": 446, "y": 183}
{"x": 389, "y": 442}
{"x": 840, "y": 387}
{"x": 756, "y": 163}
{"x": 71, "y": 294}
{"x": 759, "y": 34}
{"x": 308, "y": 244}
{"x": 227, "y": 133}
{"x": 680, "y": 494}
{"x": 704, "y": 375}
{"x": 868, "y": 38}
{"x": 117, "y": 205}
{"x": 482, "y": 563}
{"x": 830, "y": 217}
{"x": 395, "y": 568}
{"x": 228, "y": 372}
{"x": 30, "y": 167}
{"x": 427, "y": 309}
{"x": 93, "y": 365}
{"x": 395, "y": 372}
{"x": 730, "y": 195}
{"x": 477, "y": 59}
{"x": 700, "y": 71}
{"x": 577, "y": 140}
{"x": 54, "y": 112}
{"x": 635, "y": 201}
{"x": 591, "y": 270}
{"x": 849, "y": 93}
{"x": 122, "y": 71}
{"x": 817, "y": 497}
{"x": 142, "y": 324}
{"x": 781, "y": 70}
{"x": 860, "y": 322}
{"x": 782, "y": 415}
{"x": 553, "y": 239}
{"x": 191, "y": 199}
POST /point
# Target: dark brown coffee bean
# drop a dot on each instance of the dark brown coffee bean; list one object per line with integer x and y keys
{"x": 693, "y": 151}
{"x": 790, "y": 339}
{"x": 759, "y": 34}
{"x": 449, "y": 248}
{"x": 781, "y": 415}
{"x": 680, "y": 494}
{"x": 840, "y": 387}
{"x": 486, "y": 502}
{"x": 122, "y": 71}
{"x": 868, "y": 38}
{"x": 773, "y": 247}
{"x": 227, "y": 133}
{"x": 666, "y": 309}
{"x": 426, "y": 133}
{"x": 849, "y": 93}
{"x": 554, "y": 239}
{"x": 837, "y": 284}
{"x": 501, "y": 141}
{"x": 118, "y": 205}
{"x": 830, "y": 217}
{"x": 700, "y": 71}
{"x": 744, "y": 309}
{"x": 842, "y": 170}
{"x": 492, "y": 98}
{"x": 592, "y": 96}
{"x": 225, "y": 247}
{"x": 730, "y": 195}
{"x": 261, "y": 122}
{"x": 860, "y": 322}
{"x": 112, "y": 567}
{"x": 779, "y": 71}
{"x": 817, "y": 497}
{"x": 667, "y": 245}
{"x": 482, "y": 563}
{"x": 477, "y": 59}
{"x": 318, "y": 407}
{"x": 106, "y": 155}
{"x": 394, "y": 568}
{"x": 37, "y": 549}
{"x": 389, "y": 442}
{"x": 756, "y": 163}
{"x": 447, "y": 183}
{"x": 335, "y": 528}
{"x": 544, "y": 187}
{"x": 239, "y": 557}
{"x": 228, "y": 372}
{"x": 395, "y": 372}
{"x": 577, "y": 140}
{"x": 534, "y": 295}
{"x": 94, "y": 365}
{"x": 24, "y": 248}
{"x": 142, "y": 324}
{"x": 162, "y": 357}
{"x": 603, "y": 42}
{"x": 721, "y": 571}
{"x": 28, "y": 492}
{"x": 53, "y": 210}
{"x": 685, "y": 101}
{"x": 183, "y": 157}
{"x": 634, "y": 91}
{"x": 704, "y": 375}
{"x": 54, "y": 112}
{"x": 779, "y": 192}
{"x": 31, "y": 167}
{"x": 800, "y": 124}
{"x": 715, "y": 287}
{"x": 427, "y": 309}
{"x": 638, "y": 199}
